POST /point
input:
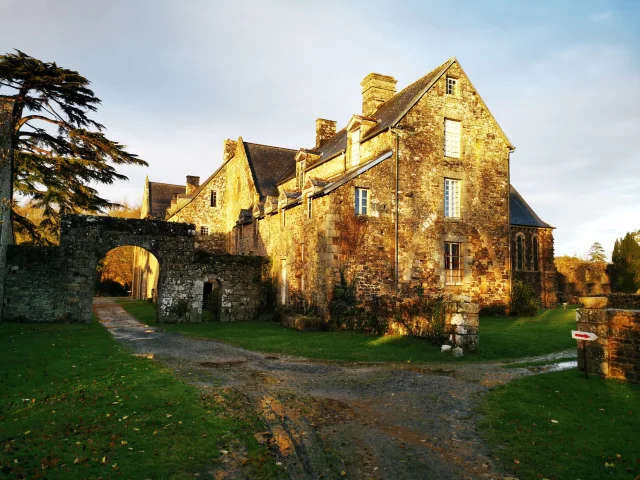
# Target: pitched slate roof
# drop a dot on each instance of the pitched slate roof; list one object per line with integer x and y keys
{"x": 522, "y": 213}
{"x": 160, "y": 195}
{"x": 268, "y": 165}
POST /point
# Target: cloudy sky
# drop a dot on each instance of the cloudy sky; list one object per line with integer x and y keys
{"x": 177, "y": 77}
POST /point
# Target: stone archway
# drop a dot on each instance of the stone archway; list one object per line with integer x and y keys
{"x": 64, "y": 287}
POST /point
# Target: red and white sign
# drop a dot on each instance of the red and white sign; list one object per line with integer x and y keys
{"x": 588, "y": 336}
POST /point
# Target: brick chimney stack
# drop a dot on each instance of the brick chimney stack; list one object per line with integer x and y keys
{"x": 192, "y": 184}
{"x": 325, "y": 129}
{"x": 376, "y": 89}
{"x": 229, "y": 149}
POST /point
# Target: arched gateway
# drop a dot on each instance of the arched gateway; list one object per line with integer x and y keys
{"x": 55, "y": 284}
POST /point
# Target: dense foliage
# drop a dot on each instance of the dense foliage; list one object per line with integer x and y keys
{"x": 524, "y": 301}
{"x": 625, "y": 269}
{"x": 58, "y": 150}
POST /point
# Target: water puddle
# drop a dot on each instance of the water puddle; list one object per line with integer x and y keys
{"x": 555, "y": 367}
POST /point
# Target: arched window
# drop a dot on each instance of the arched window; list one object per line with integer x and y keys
{"x": 536, "y": 254}
{"x": 520, "y": 252}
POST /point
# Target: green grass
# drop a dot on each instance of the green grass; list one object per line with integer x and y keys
{"x": 74, "y": 404}
{"x": 501, "y": 338}
{"x": 596, "y": 435}
{"x": 144, "y": 311}
{"x": 514, "y": 337}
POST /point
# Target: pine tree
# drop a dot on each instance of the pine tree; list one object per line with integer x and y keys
{"x": 596, "y": 253}
{"x": 55, "y": 149}
{"x": 626, "y": 264}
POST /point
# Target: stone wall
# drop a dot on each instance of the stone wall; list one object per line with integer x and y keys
{"x": 55, "y": 284}
{"x": 241, "y": 281}
{"x": 38, "y": 286}
{"x": 616, "y": 352}
{"x": 580, "y": 278}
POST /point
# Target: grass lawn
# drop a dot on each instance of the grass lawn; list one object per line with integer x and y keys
{"x": 74, "y": 404}
{"x": 561, "y": 426}
{"x": 501, "y": 338}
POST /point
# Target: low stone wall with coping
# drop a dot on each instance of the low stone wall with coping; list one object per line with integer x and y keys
{"x": 616, "y": 352}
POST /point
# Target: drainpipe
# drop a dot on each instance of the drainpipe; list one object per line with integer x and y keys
{"x": 509, "y": 266}
{"x": 397, "y": 245}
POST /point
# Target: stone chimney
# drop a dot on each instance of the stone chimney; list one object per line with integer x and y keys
{"x": 376, "y": 89}
{"x": 192, "y": 184}
{"x": 229, "y": 149}
{"x": 325, "y": 129}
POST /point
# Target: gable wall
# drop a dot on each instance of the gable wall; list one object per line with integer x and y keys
{"x": 483, "y": 168}
{"x": 200, "y": 212}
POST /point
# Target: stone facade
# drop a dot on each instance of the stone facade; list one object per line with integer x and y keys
{"x": 400, "y": 161}
{"x": 580, "y": 278}
{"x": 616, "y": 352}
{"x": 536, "y": 269}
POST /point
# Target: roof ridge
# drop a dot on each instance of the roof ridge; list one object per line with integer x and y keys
{"x": 272, "y": 146}
{"x": 169, "y": 184}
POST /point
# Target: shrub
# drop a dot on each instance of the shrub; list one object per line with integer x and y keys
{"x": 524, "y": 300}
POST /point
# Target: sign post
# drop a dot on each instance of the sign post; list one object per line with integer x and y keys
{"x": 584, "y": 337}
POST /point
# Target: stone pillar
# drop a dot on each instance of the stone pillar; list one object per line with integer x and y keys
{"x": 616, "y": 352}
{"x": 6, "y": 189}
{"x": 462, "y": 323}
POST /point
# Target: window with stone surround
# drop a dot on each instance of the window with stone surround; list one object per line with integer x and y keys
{"x": 451, "y": 198}
{"x": 362, "y": 201}
{"x": 309, "y": 207}
{"x": 519, "y": 251}
{"x": 204, "y": 230}
{"x": 451, "y": 138}
{"x": 452, "y": 86}
{"x": 214, "y": 198}
{"x": 283, "y": 217}
{"x": 453, "y": 265}
{"x": 535, "y": 251}
{"x": 256, "y": 227}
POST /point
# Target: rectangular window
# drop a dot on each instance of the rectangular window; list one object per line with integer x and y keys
{"x": 214, "y": 198}
{"x": 283, "y": 217}
{"x": 451, "y": 198}
{"x": 362, "y": 201}
{"x": 452, "y": 85}
{"x": 256, "y": 227}
{"x": 204, "y": 230}
{"x": 309, "y": 207}
{"x": 355, "y": 147}
{"x": 451, "y": 138}
{"x": 453, "y": 265}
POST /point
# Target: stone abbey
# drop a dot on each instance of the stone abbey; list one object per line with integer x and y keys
{"x": 411, "y": 197}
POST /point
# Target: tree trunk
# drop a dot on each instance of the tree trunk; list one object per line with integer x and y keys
{"x": 6, "y": 189}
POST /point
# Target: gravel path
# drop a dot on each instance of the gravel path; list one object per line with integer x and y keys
{"x": 326, "y": 420}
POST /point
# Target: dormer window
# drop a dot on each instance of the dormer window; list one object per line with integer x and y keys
{"x": 452, "y": 86}
{"x": 355, "y": 147}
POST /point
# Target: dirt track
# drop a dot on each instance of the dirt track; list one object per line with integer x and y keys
{"x": 325, "y": 420}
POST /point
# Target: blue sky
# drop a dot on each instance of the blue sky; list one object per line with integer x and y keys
{"x": 177, "y": 77}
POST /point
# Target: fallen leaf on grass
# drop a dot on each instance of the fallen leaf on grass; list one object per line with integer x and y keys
{"x": 516, "y": 461}
{"x": 554, "y": 421}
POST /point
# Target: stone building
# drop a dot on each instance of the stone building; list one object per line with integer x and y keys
{"x": 412, "y": 196}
